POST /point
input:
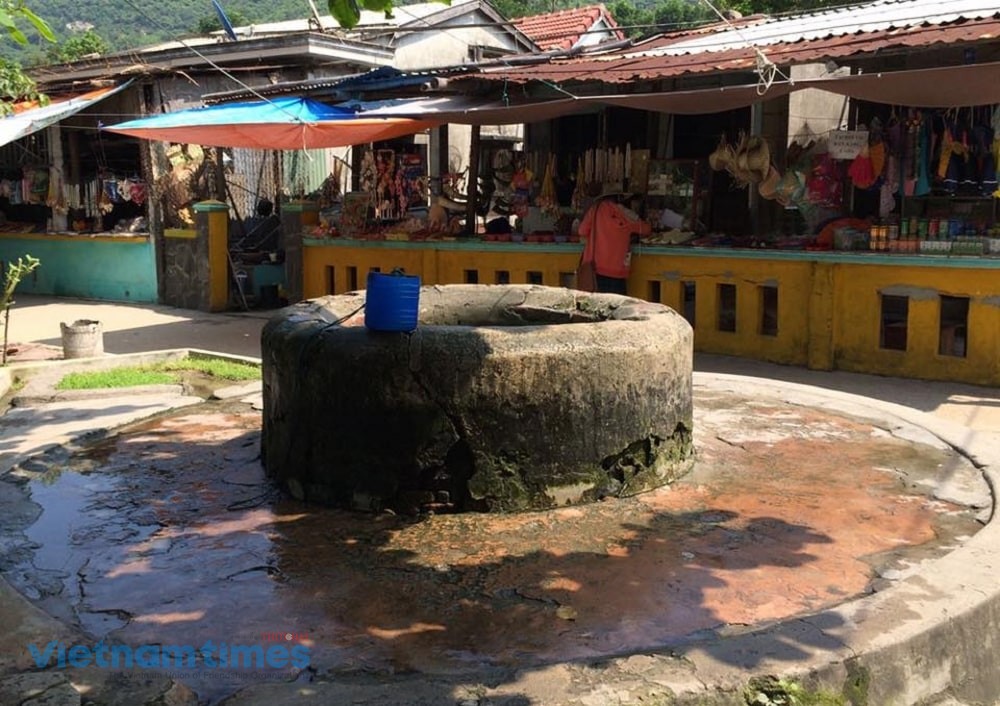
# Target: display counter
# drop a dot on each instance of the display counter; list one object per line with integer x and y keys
{"x": 924, "y": 316}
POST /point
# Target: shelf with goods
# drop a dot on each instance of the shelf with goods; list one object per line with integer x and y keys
{"x": 933, "y": 176}
{"x": 680, "y": 186}
{"x": 957, "y": 224}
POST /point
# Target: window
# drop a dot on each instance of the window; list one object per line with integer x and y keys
{"x": 567, "y": 280}
{"x": 331, "y": 280}
{"x": 502, "y": 277}
{"x": 352, "y": 279}
{"x": 687, "y": 301}
{"x": 534, "y": 277}
{"x": 894, "y": 318}
{"x": 953, "y": 329}
{"x": 472, "y": 276}
{"x": 727, "y": 307}
{"x": 653, "y": 291}
{"x": 479, "y": 53}
{"x": 769, "y": 310}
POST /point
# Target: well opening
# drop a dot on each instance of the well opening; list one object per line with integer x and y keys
{"x": 492, "y": 404}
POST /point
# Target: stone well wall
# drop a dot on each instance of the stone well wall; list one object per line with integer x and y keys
{"x": 504, "y": 398}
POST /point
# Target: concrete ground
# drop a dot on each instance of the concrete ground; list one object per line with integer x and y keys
{"x": 929, "y": 635}
{"x": 130, "y": 328}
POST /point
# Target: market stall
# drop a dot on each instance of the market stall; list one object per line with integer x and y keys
{"x": 864, "y": 255}
{"x": 77, "y": 200}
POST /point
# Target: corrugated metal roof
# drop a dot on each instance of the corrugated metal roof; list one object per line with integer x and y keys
{"x": 879, "y": 16}
{"x": 629, "y": 65}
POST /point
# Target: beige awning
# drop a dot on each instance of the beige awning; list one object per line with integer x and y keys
{"x": 942, "y": 87}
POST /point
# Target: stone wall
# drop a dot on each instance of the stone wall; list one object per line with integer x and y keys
{"x": 504, "y": 398}
{"x": 185, "y": 270}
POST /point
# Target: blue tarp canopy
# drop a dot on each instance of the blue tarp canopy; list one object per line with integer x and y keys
{"x": 287, "y": 123}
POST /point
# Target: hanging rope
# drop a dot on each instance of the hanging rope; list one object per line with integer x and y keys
{"x": 766, "y": 69}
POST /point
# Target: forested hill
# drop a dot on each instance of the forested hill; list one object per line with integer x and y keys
{"x": 126, "y": 24}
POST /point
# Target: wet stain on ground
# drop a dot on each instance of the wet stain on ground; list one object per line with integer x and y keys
{"x": 169, "y": 533}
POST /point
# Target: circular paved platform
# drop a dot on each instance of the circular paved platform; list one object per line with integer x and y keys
{"x": 810, "y": 524}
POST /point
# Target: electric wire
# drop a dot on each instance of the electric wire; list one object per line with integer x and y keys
{"x": 766, "y": 69}
{"x": 213, "y": 64}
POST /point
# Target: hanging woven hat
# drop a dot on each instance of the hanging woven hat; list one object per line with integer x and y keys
{"x": 768, "y": 188}
{"x": 758, "y": 159}
{"x": 722, "y": 157}
{"x": 740, "y": 162}
{"x": 737, "y": 166}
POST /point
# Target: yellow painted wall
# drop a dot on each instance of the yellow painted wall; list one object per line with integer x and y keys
{"x": 218, "y": 260}
{"x": 794, "y": 282}
{"x": 857, "y": 301}
{"x": 829, "y": 306}
{"x": 348, "y": 265}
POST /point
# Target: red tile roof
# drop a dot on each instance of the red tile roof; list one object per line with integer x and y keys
{"x": 563, "y": 29}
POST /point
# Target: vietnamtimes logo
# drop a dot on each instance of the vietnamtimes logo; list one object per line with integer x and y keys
{"x": 209, "y": 655}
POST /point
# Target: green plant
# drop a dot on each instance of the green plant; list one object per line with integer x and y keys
{"x": 348, "y": 12}
{"x": 216, "y": 367}
{"x": 167, "y": 372}
{"x": 118, "y": 377}
{"x": 14, "y": 83}
{"x": 771, "y": 691}
{"x": 16, "y": 271}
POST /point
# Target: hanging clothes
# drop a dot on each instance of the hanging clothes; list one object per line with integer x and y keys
{"x": 922, "y": 187}
{"x": 137, "y": 192}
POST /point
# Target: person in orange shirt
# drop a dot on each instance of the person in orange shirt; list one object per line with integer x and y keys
{"x": 608, "y": 227}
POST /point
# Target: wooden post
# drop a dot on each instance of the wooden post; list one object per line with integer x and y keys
{"x": 60, "y": 221}
{"x": 220, "y": 175}
{"x": 472, "y": 191}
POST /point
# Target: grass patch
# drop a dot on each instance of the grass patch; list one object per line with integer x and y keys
{"x": 119, "y": 377}
{"x": 165, "y": 373}
{"x": 216, "y": 367}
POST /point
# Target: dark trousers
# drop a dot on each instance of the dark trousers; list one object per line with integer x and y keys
{"x": 611, "y": 285}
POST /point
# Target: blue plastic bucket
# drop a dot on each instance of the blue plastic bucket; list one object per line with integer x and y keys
{"x": 392, "y": 302}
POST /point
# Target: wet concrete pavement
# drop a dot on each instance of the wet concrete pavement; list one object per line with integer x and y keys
{"x": 797, "y": 507}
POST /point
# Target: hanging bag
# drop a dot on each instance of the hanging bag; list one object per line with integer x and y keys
{"x": 586, "y": 276}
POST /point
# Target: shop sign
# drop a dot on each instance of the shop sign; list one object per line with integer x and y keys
{"x": 846, "y": 144}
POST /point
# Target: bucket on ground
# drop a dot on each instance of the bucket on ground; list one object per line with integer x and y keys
{"x": 392, "y": 301}
{"x": 82, "y": 339}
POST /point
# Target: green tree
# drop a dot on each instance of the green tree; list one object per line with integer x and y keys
{"x": 663, "y": 16}
{"x": 13, "y": 15}
{"x": 79, "y": 45}
{"x": 212, "y": 23}
{"x": 774, "y": 7}
{"x": 14, "y": 84}
{"x": 348, "y": 12}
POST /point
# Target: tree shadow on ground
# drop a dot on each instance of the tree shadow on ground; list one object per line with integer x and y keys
{"x": 188, "y": 542}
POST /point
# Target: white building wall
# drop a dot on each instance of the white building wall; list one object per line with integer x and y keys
{"x": 813, "y": 113}
{"x": 449, "y": 44}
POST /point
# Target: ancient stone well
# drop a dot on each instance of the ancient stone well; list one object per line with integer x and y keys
{"x": 505, "y": 398}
